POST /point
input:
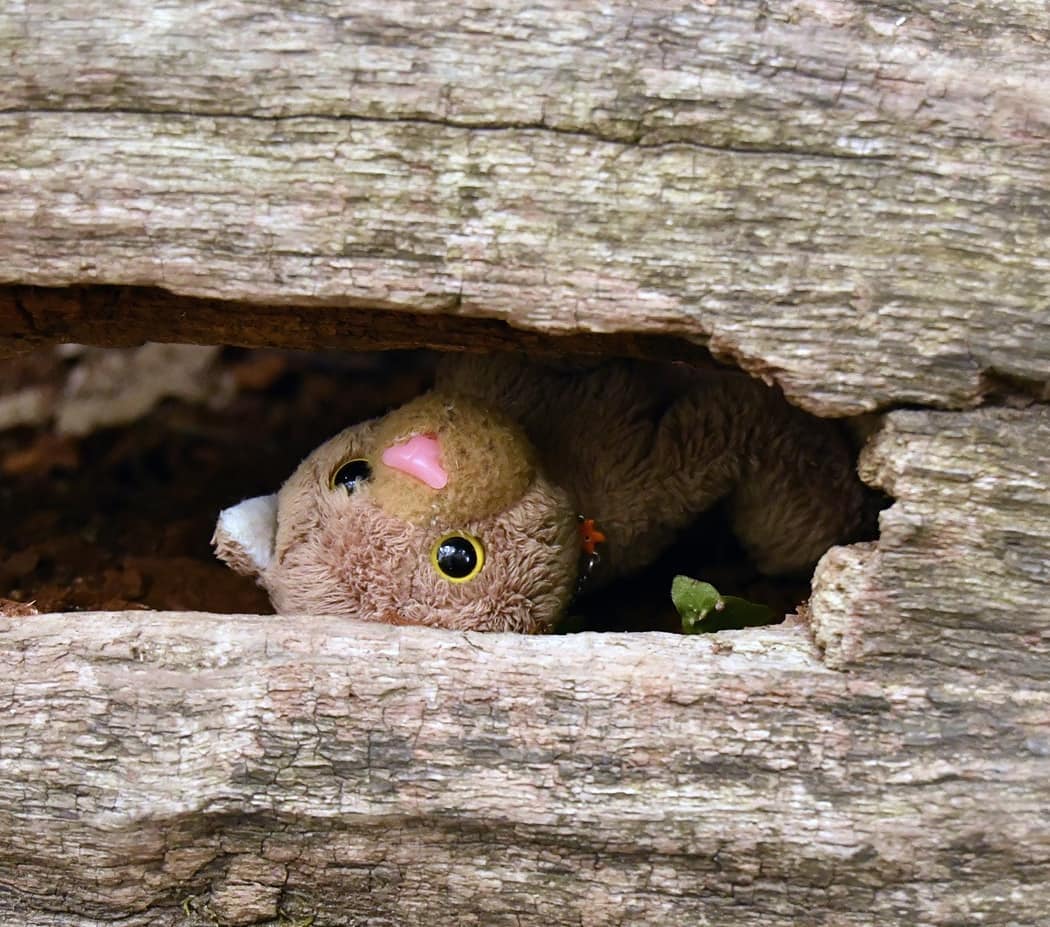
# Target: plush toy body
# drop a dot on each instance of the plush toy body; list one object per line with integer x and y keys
{"x": 462, "y": 508}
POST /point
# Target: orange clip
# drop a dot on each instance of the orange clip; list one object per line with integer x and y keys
{"x": 590, "y": 536}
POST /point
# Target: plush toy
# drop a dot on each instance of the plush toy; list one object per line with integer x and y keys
{"x": 485, "y": 503}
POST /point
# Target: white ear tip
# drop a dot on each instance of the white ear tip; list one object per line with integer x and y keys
{"x": 244, "y": 534}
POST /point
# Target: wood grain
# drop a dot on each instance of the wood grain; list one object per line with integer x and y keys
{"x": 846, "y": 198}
{"x": 960, "y": 573}
{"x": 31, "y": 317}
{"x": 850, "y": 199}
{"x": 368, "y": 774}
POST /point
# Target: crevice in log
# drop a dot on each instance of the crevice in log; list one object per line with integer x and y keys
{"x": 959, "y": 573}
{"x": 118, "y": 316}
{"x": 1003, "y": 388}
{"x": 637, "y": 137}
{"x": 23, "y": 313}
{"x": 131, "y": 505}
{"x": 714, "y": 173}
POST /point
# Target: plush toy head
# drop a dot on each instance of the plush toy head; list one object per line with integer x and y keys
{"x": 437, "y": 514}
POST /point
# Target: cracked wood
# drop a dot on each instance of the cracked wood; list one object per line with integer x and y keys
{"x": 959, "y": 574}
{"x": 245, "y": 766}
{"x": 845, "y": 198}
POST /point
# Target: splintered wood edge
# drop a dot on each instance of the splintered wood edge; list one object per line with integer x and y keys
{"x": 958, "y": 574}
{"x": 210, "y": 638}
{"x": 885, "y": 244}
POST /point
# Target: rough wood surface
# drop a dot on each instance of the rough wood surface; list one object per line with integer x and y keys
{"x": 848, "y": 197}
{"x": 961, "y": 570}
{"x": 374, "y": 775}
{"x": 121, "y": 316}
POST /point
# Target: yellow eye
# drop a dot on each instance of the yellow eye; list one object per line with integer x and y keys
{"x": 351, "y": 473}
{"x": 458, "y": 557}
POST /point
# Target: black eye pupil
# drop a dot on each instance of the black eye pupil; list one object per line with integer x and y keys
{"x": 351, "y": 473}
{"x": 456, "y": 557}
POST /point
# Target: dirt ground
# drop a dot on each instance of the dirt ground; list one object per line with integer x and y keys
{"x": 121, "y": 517}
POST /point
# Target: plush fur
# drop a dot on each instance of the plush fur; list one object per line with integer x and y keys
{"x": 641, "y": 450}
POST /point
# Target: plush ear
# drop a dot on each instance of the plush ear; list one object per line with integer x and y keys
{"x": 244, "y": 534}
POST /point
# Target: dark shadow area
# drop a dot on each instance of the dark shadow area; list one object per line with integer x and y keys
{"x": 120, "y": 516}
{"x": 707, "y": 551}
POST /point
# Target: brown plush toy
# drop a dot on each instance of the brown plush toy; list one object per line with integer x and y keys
{"x": 463, "y": 508}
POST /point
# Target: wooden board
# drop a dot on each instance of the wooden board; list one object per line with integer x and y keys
{"x": 845, "y": 197}
{"x": 960, "y": 573}
{"x": 369, "y": 774}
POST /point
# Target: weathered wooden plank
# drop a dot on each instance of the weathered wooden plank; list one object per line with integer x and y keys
{"x": 369, "y": 774}
{"x": 845, "y": 197}
{"x": 960, "y": 573}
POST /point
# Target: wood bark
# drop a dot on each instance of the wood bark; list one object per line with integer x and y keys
{"x": 849, "y": 198}
{"x": 960, "y": 573}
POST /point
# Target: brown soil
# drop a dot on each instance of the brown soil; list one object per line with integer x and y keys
{"x": 122, "y": 518}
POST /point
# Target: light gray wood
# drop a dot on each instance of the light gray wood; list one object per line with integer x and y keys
{"x": 845, "y": 197}
{"x": 375, "y": 775}
{"x": 961, "y": 571}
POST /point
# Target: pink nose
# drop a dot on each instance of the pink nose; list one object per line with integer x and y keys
{"x": 419, "y": 456}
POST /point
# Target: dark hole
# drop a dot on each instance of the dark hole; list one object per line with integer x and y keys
{"x": 122, "y": 516}
{"x": 708, "y": 551}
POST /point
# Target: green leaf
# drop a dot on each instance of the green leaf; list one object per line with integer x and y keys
{"x": 694, "y": 601}
{"x": 704, "y": 609}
